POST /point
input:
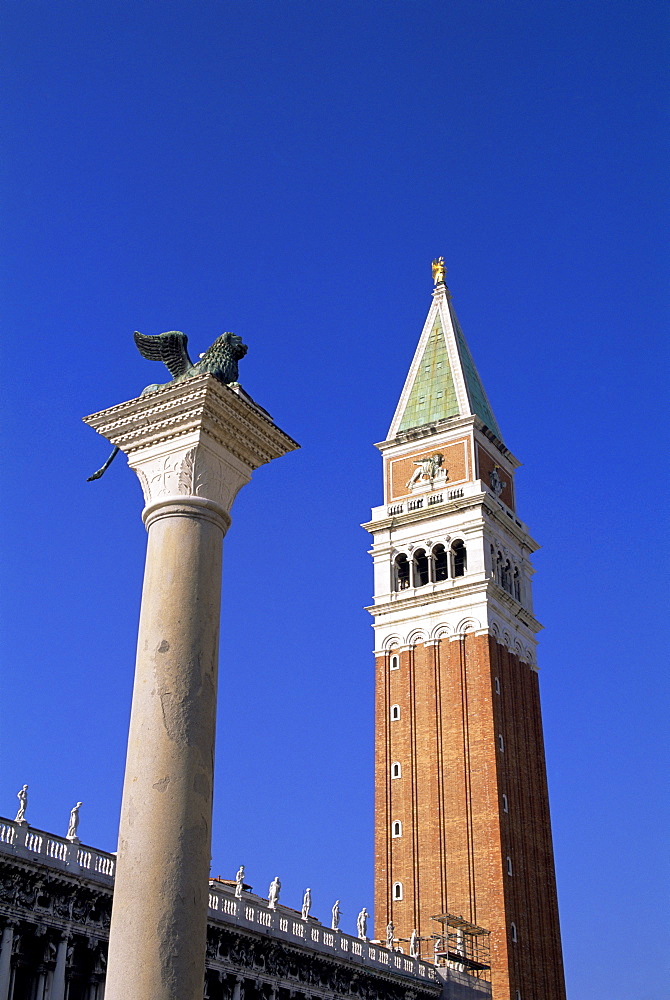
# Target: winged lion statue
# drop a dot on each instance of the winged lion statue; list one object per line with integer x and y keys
{"x": 220, "y": 360}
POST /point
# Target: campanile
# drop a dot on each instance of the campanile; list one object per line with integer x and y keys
{"x": 462, "y": 821}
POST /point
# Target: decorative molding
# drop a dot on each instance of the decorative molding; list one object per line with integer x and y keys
{"x": 196, "y": 405}
{"x": 467, "y": 625}
{"x": 391, "y": 642}
{"x": 441, "y": 631}
{"x": 415, "y": 637}
{"x": 193, "y": 438}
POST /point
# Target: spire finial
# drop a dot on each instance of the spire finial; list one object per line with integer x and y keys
{"x": 439, "y": 271}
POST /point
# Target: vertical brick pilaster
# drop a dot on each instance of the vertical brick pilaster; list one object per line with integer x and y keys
{"x": 452, "y": 856}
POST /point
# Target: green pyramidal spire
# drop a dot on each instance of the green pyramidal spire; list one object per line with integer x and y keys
{"x": 443, "y": 381}
{"x": 432, "y": 396}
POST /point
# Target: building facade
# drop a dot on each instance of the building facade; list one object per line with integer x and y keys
{"x": 462, "y": 823}
{"x": 55, "y": 910}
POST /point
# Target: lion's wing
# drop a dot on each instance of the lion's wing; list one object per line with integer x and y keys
{"x": 170, "y": 348}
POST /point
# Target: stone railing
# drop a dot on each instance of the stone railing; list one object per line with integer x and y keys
{"x": 417, "y": 503}
{"x": 21, "y": 840}
{"x": 253, "y": 913}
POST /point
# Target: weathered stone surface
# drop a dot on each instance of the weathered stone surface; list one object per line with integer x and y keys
{"x": 193, "y": 444}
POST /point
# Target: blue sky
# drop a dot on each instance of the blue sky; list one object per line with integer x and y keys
{"x": 287, "y": 171}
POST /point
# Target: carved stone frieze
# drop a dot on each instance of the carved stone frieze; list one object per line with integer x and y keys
{"x": 56, "y": 898}
{"x": 241, "y": 952}
{"x": 197, "y": 471}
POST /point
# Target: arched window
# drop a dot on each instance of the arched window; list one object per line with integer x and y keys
{"x": 514, "y": 934}
{"x": 397, "y": 890}
{"x": 505, "y": 803}
{"x": 441, "y": 563}
{"x": 421, "y": 571}
{"x": 501, "y": 742}
{"x": 506, "y": 577}
{"x": 395, "y": 712}
{"x": 396, "y": 769}
{"x": 401, "y": 572}
{"x": 395, "y": 662}
{"x": 397, "y": 829}
{"x": 493, "y": 562}
{"x": 497, "y": 685}
{"x": 499, "y": 568}
{"x": 517, "y": 994}
{"x": 509, "y": 866}
{"x": 517, "y": 585}
{"x": 460, "y": 558}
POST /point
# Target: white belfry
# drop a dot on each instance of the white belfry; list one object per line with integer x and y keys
{"x": 193, "y": 445}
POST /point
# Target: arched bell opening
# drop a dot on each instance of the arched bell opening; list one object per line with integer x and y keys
{"x": 401, "y": 567}
{"x": 441, "y": 563}
{"x": 421, "y": 568}
{"x": 459, "y": 558}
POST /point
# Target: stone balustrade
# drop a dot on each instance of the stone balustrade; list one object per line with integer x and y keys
{"x": 252, "y": 912}
{"x": 22, "y": 840}
{"x": 447, "y": 495}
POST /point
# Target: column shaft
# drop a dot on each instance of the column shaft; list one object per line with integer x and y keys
{"x": 159, "y": 918}
{"x": 57, "y": 991}
{"x": 6, "y": 960}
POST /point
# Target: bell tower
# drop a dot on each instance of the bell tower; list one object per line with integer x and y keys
{"x": 462, "y": 822}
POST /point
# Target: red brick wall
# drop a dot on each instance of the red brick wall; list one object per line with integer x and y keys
{"x": 457, "y": 461}
{"x": 452, "y": 856}
{"x": 485, "y": 466}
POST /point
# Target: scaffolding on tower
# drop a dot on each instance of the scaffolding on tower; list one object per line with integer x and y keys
{"x": 462, "y": 946}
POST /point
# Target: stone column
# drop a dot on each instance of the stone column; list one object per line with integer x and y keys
{"x": 57, "y": 991}
{"x": 6, "y": 959}
{"x": 193, "y": 445}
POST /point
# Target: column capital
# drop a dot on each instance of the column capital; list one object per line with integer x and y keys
{"x": 196, "y": 439}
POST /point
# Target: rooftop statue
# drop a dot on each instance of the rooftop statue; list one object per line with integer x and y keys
{"x": 219, "y": 360}
{"x": 439, "y": 271}
{"x": 22, "y": 796}
{"x": 273, "y": 894}
{"x": 74, "y": 822}
{"x": 362, "y": 924}
{"x": 335, "y": 922}
{"x": 239, "y": 882}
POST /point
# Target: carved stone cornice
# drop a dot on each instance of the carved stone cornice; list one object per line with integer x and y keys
{"x": 196, "y": 438}
{"x": 198, "y": 403}
{"x": 421, "y": 596}
{"x": 249, "y": 957}
{"x": 513, "y": 607}
{"x": 484, "y": 589}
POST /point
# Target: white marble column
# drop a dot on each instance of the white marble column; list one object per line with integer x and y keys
{"x": 6, "y": 959}
{"x": 193, "y": 446}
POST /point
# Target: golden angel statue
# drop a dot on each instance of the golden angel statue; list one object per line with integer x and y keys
{"x": 439, "y": 271}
